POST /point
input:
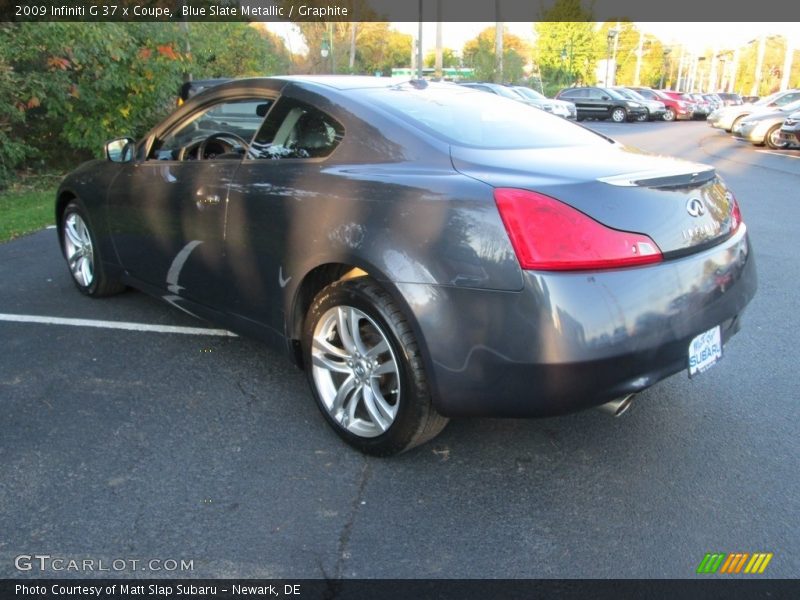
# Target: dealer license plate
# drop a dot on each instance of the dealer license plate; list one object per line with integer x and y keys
{"x": 704, "y": 351}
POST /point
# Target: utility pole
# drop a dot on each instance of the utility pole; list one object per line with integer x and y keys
{"x": 419, "y": 44}
{"x": 438, "y": 62}
{"x": 787, "y": 63}
{"x": 353, "y": 26}
{"x": 734, "y": 68}
{"x": 678, "y": 85}
{"x": 762, "y": 46}
{"x": 636, "y": 79}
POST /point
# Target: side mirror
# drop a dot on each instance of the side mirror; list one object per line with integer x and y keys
{"x": 120, "y": 150}
{"x": 606, "y": 98}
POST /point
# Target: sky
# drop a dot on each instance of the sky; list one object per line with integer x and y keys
{"x": 695, "y": 36}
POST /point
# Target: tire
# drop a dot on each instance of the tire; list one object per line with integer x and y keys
{"x": 369, "y": 384}
{"x": 619, "y": 115}
{"x": 643, "y": 118}
{"x": 80, "y": 250}
{"x": 670, "y": 115}
{"x": 773, "y": 140}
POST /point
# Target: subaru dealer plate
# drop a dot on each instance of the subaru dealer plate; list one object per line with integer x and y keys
{"x": 704, "y": 351}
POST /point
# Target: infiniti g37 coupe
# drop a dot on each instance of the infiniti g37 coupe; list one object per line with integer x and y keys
{"x": 422, "y": 251}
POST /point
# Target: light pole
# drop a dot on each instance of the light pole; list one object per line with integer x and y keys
{"x": 664, "y": 68}
{"x": 611, "y": 38}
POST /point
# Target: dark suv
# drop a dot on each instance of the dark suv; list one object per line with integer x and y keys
{"x": 602, "y": 103}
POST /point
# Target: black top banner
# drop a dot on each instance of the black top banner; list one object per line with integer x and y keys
{"x": 395, "y": 10}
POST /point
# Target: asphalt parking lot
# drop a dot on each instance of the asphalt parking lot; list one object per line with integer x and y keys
{"x": 139, "y": 445}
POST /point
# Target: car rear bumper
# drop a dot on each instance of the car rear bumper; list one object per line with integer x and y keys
{"x": 570, "y": 341}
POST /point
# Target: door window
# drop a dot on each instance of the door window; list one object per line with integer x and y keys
{"x": 230, "y": 123}
{"x": 295, "y": 129}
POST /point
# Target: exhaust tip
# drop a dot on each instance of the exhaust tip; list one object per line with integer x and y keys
{"x": 617, "y": 407}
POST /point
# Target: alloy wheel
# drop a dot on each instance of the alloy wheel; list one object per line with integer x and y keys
{"x": 355, "y": 371}
{"x": 78, "y": 249}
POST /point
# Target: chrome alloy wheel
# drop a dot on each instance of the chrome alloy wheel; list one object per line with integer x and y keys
{"x": 355, "y": 371}
{"x": 78, "y": 249}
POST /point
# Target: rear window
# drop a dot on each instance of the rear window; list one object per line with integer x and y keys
{"x": 471, "y": 118}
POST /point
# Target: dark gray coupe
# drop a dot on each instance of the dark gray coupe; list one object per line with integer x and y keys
{"x": 422, "y": 251}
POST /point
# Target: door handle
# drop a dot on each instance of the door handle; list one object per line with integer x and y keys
{"x": 206, "y": 200}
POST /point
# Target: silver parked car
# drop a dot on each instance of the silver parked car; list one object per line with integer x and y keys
{"x": 725, "y": 118}
{"x": 765, "y": 127}
{"x": 790, "y": 130}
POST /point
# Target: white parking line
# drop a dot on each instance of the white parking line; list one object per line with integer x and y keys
{"x": 778, "y": 153}
{"x": 115, "y": 325}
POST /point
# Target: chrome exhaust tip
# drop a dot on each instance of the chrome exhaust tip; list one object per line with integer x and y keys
{"x": 615, "y": 408}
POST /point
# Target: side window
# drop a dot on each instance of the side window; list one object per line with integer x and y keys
{"x": 238, "y": 118}
{"x": 295, "y": 129}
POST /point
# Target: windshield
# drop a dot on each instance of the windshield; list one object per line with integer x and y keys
{"x": 615, "y": 94}
{"x": 530, "y": 93}
{"x": 462, "y": 116}
{"x": 791, "y": 107}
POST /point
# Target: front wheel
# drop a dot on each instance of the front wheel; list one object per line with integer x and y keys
{"x": 619, "y": 114}
{"x": 669, "y": 115}
{"x": 365, "y": 369}
{"x": 773, "y": 138}
{"x": 82, "y": 254}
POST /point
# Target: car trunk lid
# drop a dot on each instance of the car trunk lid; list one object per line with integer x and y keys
{"x": 684, "y": 207}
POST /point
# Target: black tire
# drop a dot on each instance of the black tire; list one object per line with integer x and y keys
{"x": 100, "y": 283}
{"x": 770, "y": 140}
{"x": 670, "y": 115}
{"x": 643, "y": 118}
{"x": 416, "y": 421}
{"x": 619, "y": 114}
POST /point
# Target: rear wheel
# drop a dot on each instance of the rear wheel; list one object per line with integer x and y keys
{"x": 669, "y": 115}
{"x": 773, "y": 138}
{"x": 619, "y": 114}
{"x": 83, "y": 256}
{"x": 365, "y": 369}
{"x": 644, "y": 117}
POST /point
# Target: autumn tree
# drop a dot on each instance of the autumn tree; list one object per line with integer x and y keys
{"x": 479, "y": 54}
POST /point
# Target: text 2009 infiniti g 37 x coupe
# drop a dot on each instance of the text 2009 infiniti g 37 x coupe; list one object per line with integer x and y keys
{"x": 423, "y": 251}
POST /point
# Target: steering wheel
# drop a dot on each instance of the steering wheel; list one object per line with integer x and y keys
{"x": 201, "y": 151}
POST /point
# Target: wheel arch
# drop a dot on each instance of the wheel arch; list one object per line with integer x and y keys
{"x": 319, "y": 277}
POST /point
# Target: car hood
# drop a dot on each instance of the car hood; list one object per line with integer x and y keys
{"x": 621, "y": 187}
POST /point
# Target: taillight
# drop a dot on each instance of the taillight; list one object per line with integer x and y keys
{"x": 549, "y": 235}
{"x": 736, "y": 216}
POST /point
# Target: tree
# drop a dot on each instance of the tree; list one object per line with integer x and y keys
{"x": 236, "y": 50}
{"x": 479, "y": 54}
{"x": 567, "y": 46}
{"x": 449, "y": 59}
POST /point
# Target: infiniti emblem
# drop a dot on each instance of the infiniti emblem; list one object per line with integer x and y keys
{"x": 695, "y": 207}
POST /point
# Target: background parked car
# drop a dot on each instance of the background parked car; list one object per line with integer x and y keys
{"x": 676, "y": 110}
{"x": 562, "y": 108}
{"x": 726, "y": 117}
{"x": 510, "y": 93}
{"x": 714, "y": 101}
{"x": 602, "y": 103}
{"x": 191, "y": 88}
{"x": 764, "y": 127}
{"x": 790, "y": 131}
{"x": 655, "y": 108}
{"x": 702, "y": 107}
{"x": 730, "y": 99}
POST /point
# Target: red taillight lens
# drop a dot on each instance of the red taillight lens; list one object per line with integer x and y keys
{"x": 736, "y": 216}
{"x": 549, "y": 235}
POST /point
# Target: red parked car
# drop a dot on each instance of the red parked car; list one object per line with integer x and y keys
{"x": 677, "y": 109}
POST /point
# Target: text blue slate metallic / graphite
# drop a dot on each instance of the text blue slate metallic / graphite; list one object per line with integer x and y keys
{"x": 421, "y": 250}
